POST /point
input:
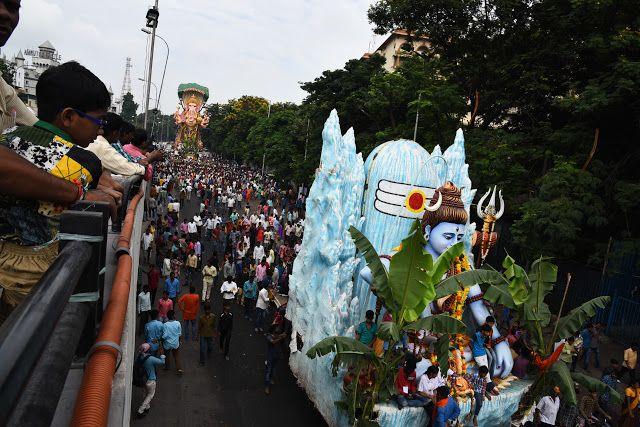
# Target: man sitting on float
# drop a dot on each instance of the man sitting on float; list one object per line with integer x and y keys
{"x": 444, "y": 224}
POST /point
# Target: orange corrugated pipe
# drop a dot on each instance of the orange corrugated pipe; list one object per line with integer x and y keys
{"x": 94, "y": 397}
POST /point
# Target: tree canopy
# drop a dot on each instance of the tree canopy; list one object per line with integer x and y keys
{"x": 547, "y": 93}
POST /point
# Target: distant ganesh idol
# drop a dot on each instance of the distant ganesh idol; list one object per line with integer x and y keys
{"x": 190, "y": 116}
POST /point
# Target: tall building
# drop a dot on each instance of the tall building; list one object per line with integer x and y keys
{"x": 400, "y": 44}
{"x": 28, "y": 68}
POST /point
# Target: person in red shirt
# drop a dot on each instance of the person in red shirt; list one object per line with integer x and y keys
{"x": 153, "y": 277}
{"x": 260, "y": 234}
{"x": 407, "y": 394}
{"x": 164, "y": 305}
{"x": 189, "y": 304}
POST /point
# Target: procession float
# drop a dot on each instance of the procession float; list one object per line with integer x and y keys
{"x": 393, "y": 234}
{"x": 190, "y": 117}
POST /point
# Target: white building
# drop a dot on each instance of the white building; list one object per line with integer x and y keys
{"x": 28, "y": 68}
{"x": 400, "y": 44}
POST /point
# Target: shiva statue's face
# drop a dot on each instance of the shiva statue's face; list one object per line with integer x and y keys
{"x": 443, "y": 236}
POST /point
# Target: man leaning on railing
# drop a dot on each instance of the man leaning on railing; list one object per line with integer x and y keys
{"x": 43, "y": 170}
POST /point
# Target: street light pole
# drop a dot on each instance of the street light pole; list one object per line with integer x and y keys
{"x": 264, "y": 148}
{"x": 153, "y": 40}
{"x": 166, "y": 60}
{"x": 415, "y": 129}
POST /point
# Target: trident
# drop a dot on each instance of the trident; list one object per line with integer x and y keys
{"x": 489, "y": 216}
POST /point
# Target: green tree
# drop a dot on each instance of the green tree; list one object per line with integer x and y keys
{"x": 129, "y": 108}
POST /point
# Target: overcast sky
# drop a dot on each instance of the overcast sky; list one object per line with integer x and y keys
{"x": 234, "y": 47}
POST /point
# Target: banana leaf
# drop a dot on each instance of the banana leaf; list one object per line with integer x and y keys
{"x": 389, "y": 331}
{"x": 441, "y": 347}
{"x": 542, "y": 278}
{"x": 443, "y": 263}
{"x": 575, "y": 319}
{"x": 499, "y": 295}
{"x": 408, "y": 278}
{"x": 560, "y": 375}
{"x": 517, "y": 280}
{"x": 339, "y": 344}
{"x": 594, "y": 384}
{"x": 466, "y": 279}
{"x": 349, "y": 352}
{"x": 379, "y": 274}
{"x": 439, "y": 324}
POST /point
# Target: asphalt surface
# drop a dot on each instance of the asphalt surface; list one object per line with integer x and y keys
{"x": 225, "y": 393}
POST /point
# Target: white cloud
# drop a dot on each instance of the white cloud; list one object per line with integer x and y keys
{"x": 234, "y": 47}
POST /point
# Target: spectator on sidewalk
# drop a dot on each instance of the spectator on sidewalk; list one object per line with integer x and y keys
{"x": 250, "y": 291}
{"x": 171, "y": 338}
{"x": 189, "y": 304}
{"x": 262, "y": 304}
{"x": 165, "y": 304}
{"x": 149, "y": 362}
{"x": 153, "y": 278}
{"x": 547, "y": 408}
{"x": 591, "y": 343}
{"x": 274, "y": 338}
{"x": 206, "y": 330}
{"x": 630, "y": 362}
{"x": 209, "y": 273}
{"x": 153, "y": 331}
{"x": 144, "y": 307}
{"x": 225, "y": 326}
{"x": 172, "y": 287}
{"x": 229, "y": 289}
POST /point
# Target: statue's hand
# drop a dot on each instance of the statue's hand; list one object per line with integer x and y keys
{"x": 504, "y": 360}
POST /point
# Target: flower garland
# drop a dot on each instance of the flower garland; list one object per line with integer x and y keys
{"x": 459, "y": 265}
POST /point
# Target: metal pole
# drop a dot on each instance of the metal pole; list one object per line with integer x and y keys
{"x": 146, "y": 101}
{"x": 306, "y": 141}
{"x": 415, "y": 129}
{"x": 264, "y": 148}
{"x": 164, "y": 70}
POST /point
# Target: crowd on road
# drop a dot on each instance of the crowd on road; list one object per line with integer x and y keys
{"x": 218, "y": 232}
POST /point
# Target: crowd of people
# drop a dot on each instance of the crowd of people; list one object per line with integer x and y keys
{"x": 419, "y": 383}
{"x": 218, "y": 234}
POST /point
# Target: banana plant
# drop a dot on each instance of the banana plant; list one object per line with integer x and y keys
{"x": 405, "y": 289}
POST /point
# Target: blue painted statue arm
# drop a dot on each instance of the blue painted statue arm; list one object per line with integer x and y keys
{"x": 365, "y": 273}
{"x": 504, "y": 360}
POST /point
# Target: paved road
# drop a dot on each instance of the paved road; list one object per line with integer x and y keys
{"x": 228, "y": 393}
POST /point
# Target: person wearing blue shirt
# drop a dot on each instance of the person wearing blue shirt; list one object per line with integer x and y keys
{"x": 446, "y": 408}
{"x": 366, "y": 331}
{"x": 172, "y": 286}
{"x": 153, "y": 332}
{"x": 149, "y": 364}
{"x": 478, "y": 343}
{"x": 250, "y": 292}
{"x": 171, "y": 337}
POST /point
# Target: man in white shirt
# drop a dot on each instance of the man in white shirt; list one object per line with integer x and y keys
{"x": 147, "y": 239}
{"x": 429, "y": 382}
{"x": 258, "y": 252}
{"x": 144, "y": 307}
{"x": 192, "y": 229}
{"x": 198, "y": 220}
{"x": 189, "y": 190}
{"x": 547, "y": 408}
{"x": 111, "y": 159}
{"x": 209, "y": 225}
{"x": 229, "y": 289}
{"x": 209, "y": 272}
{"x": 262, "y": 304}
